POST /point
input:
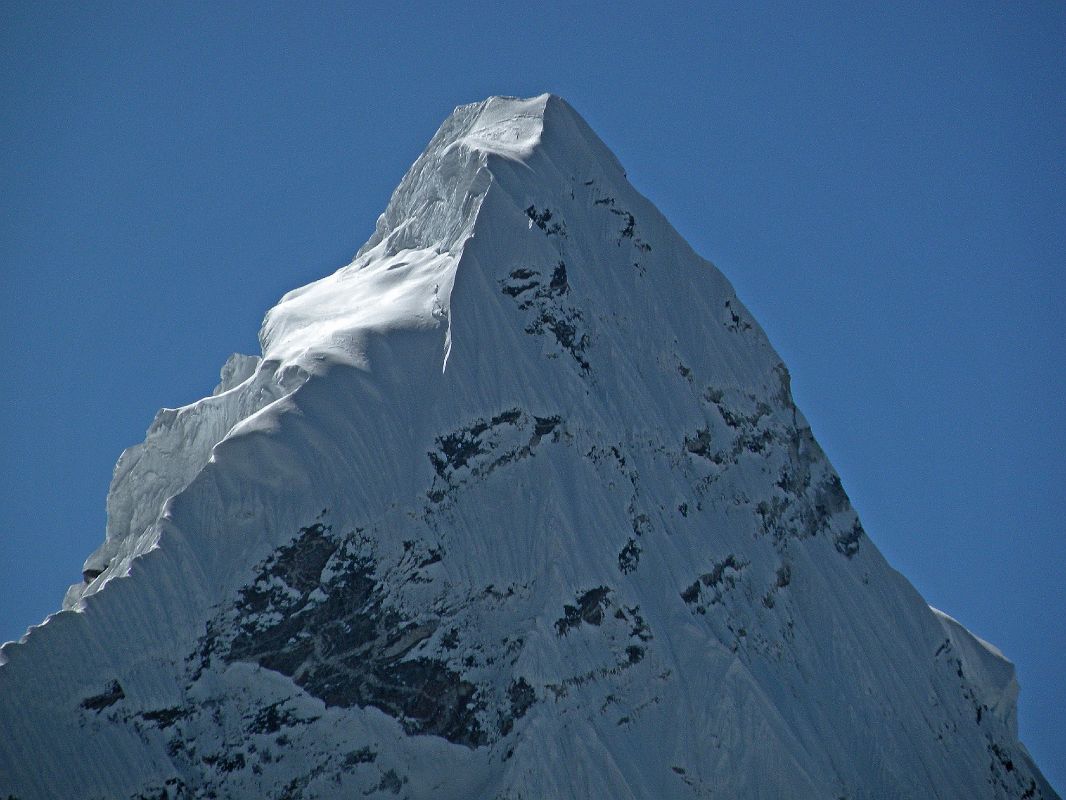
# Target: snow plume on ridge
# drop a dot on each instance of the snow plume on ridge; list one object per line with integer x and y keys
{"x": 515, "y": 504}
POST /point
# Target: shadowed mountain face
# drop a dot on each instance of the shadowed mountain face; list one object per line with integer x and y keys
{"x": 516, "y": 504}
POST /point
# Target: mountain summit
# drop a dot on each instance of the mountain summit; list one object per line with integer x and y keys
{"x": 517, "y": 504}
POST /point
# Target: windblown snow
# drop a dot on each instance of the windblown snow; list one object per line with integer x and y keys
{"x": 516, "y": 504}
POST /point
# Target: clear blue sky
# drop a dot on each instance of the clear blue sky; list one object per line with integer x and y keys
{"x": 885, "y": 188}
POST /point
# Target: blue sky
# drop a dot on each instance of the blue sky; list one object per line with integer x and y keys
{"x": 886, "y": 188}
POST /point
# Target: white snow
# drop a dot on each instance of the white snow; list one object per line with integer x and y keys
{"x": 571, "y": 457}
{"x": 330, "y": 318}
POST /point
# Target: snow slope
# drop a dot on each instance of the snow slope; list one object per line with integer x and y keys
{"x": 516, "y": 504}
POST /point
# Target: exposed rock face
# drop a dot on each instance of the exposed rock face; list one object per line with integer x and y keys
{"x": 517, "y": 504}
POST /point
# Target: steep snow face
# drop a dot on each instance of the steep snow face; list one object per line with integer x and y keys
{"x": 516, "y": 504}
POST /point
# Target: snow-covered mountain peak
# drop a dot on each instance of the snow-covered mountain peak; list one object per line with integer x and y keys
{"x": 505, "y": 126}
{"x": 514, "y": 128}
{"x": 402, "y": 278}
{"x": 516, "y": 504}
